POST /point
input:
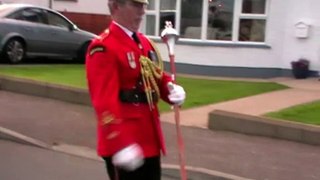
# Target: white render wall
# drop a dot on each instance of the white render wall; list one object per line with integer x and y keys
{"x": 294, "y": 48}
{"x": 285, "y": 47}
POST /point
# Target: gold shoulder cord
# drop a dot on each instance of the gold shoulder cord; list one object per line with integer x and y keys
{"x": 151, "y": 72}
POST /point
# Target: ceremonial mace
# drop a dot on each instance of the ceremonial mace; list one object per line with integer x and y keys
{"x": 170, "y": 36}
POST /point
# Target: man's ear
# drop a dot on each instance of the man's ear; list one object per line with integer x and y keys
{"x": 117, "y": 5}
{"x": 113, "y": 5}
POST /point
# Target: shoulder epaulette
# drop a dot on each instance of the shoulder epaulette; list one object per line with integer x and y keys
{"x": 95, "y": 49}
{"x": 104, "y": 35}
{"x": 99, "y": 47}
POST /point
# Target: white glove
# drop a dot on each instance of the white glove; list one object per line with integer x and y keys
{"x": 129, "y": 158}
{"x": 177, "y": 94}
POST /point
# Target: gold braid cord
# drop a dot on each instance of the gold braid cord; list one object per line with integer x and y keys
{"x": 151, "y": 72}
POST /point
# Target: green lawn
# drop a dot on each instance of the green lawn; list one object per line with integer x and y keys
{"x": 199, "y": 91}
{"x": 71, "y": 75}
{"x": 307, "y": 113}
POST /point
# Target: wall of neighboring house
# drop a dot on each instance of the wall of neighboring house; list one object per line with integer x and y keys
{"x": 79, "y": 6}
{"x": 95, "y": 23}
{"x": 37, "y": 2}
{"x": 88, "y": 15}
{"x": 271, "y": 60}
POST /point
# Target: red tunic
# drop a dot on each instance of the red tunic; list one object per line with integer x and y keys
{"x": 112, "y": 65}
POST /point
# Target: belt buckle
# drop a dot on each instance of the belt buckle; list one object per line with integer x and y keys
{"x": 137, "y": 98}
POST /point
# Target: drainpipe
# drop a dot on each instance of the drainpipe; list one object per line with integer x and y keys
{"x": 50, "y": 4}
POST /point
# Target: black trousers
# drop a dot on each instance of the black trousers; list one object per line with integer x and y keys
{"x": 150, "y": 170}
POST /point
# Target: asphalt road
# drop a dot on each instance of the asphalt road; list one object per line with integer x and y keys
{"x": 20, "y": 162}
{"x": 57, "y": 122}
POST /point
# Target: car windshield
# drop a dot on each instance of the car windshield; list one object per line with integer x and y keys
{"x": 5, "y": 9}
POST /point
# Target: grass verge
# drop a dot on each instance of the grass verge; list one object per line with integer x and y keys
{"x": 306, "y": 113}
{"x": 199, "y": 91}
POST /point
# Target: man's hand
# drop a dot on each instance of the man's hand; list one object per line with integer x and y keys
{"x": 129, "y": 158}
{"x": 177, "y": 94}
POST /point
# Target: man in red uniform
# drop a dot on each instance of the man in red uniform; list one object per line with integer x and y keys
{"x": 126, "y": 80}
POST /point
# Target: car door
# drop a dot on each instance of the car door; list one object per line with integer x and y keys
{"x": 64, "y": 39}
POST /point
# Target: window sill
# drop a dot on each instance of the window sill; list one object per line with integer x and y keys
{"x": 195, "y": 42}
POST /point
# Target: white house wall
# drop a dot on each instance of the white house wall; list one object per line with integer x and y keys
{"x": 309, "y": 48}
{"x": 284, "y": 46}
{"x": 222, "y": 56}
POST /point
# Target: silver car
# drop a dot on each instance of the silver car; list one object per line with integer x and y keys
{"x": 33, "y": 31}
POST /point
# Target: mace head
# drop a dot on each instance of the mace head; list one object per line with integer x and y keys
{"x": 169, "y": 32}
{"x": 169, "y": 36}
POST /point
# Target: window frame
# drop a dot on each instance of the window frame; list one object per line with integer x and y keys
{"x": 237, "y": 16}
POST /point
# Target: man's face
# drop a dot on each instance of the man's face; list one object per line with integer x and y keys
{"x": 130, "y": 14}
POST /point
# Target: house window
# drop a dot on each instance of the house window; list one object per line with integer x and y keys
{"x": 252, "y": 22}
{"x": 210, "y": 20}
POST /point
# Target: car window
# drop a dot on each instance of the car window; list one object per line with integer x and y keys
{"x": 57, "y": 20}
{"x": 30, "y": 14}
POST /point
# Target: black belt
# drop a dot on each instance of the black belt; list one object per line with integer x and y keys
{"x": 134, "y": 96}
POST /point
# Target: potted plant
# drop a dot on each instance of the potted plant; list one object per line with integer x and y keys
{"x": 300, "y": 68}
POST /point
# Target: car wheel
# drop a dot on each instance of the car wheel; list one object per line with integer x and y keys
{"x": 14, "y": 51}
{"x": 82, "y": 52}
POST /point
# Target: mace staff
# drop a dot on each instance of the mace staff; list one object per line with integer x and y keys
{"x": 169, "y": 36}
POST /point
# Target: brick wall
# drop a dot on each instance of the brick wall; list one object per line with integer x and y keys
{"x": 94, "y": 23}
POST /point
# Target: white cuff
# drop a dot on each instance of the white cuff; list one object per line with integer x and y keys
{"x": 129, "y": 158}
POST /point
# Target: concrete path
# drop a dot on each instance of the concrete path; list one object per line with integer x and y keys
{"x": 301, "y": 91}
